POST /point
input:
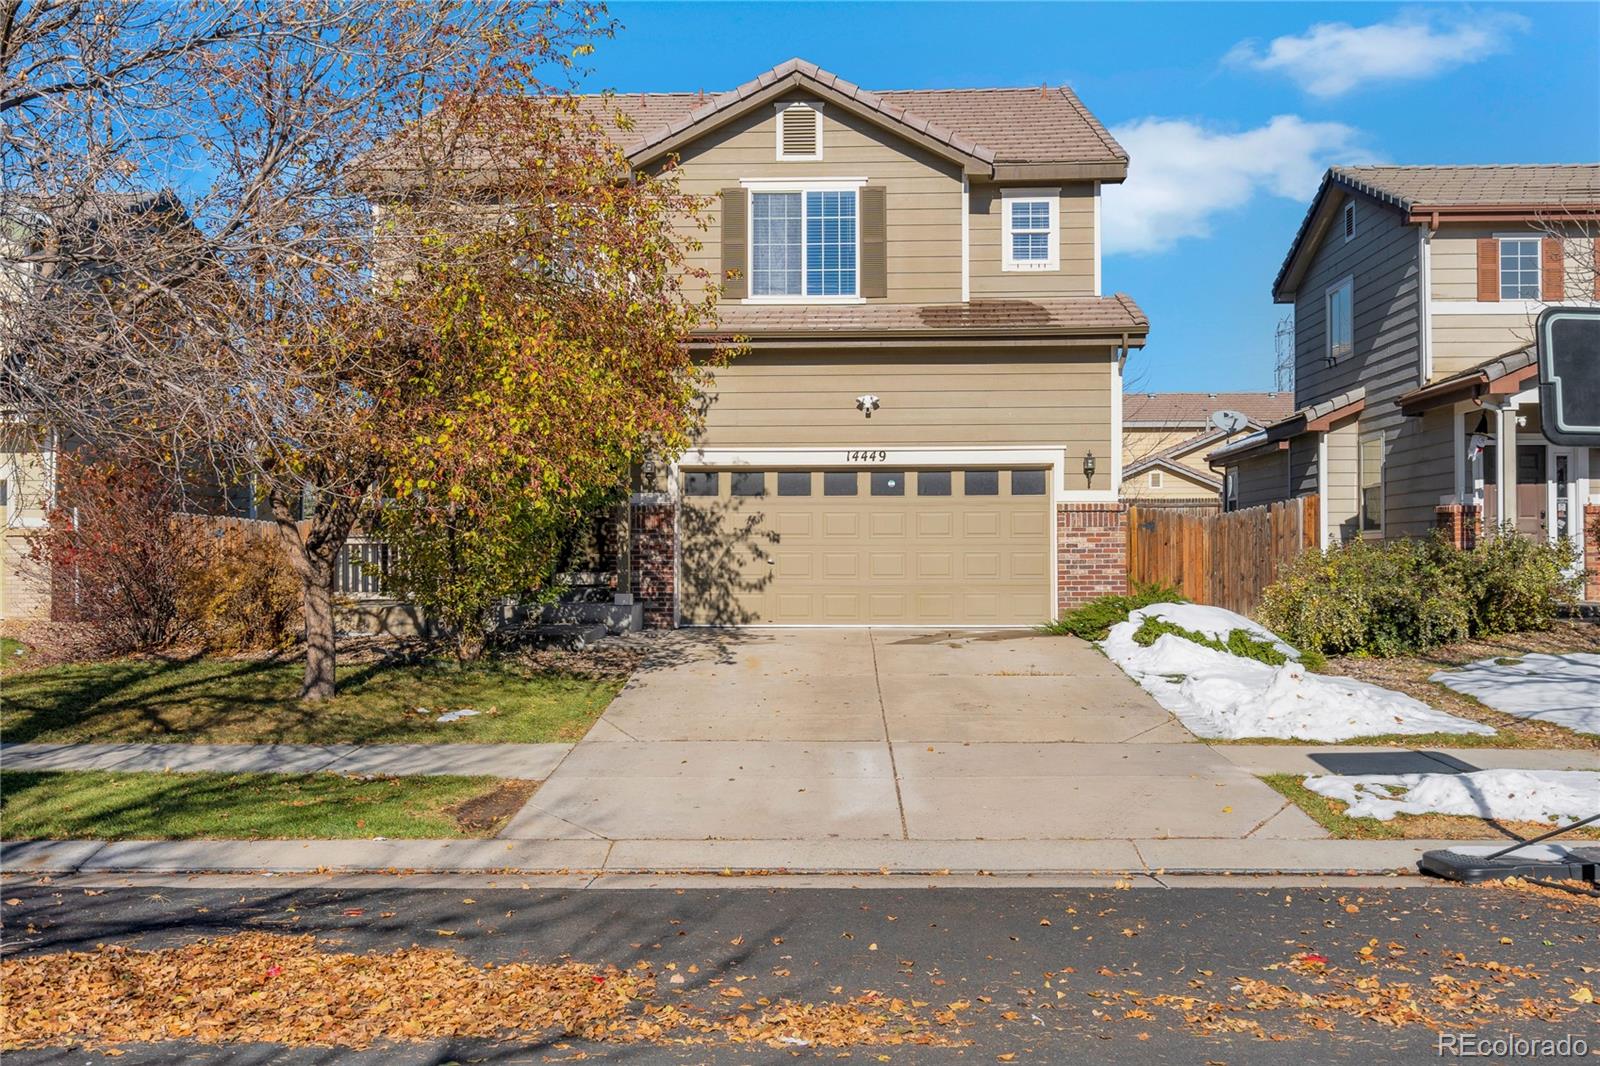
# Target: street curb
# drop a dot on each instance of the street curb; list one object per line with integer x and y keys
{"x": 1111, "y": 858}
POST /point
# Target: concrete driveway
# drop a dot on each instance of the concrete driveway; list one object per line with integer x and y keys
{"x": 881, "y": 734}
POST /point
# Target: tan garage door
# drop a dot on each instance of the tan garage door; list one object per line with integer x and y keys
{"x": 865, "y": 547}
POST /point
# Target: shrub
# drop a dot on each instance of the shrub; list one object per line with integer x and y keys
{"x": 241, "y": 593}
{"x": 1405, "y": 595}
{"x": 1093, "y": 620}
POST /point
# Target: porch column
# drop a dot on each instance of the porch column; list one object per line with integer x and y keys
{"x": 1506, "y": 457}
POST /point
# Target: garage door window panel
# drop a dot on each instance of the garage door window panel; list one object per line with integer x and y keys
{"x": 794, "y": 483}
{"x": 748, "y": 483}
{"x": 888, "y": 483}
{"x": 700, "y": 483}
{"x": 933, "y": 483}
{"x": 839, "y": 483}
{"x": 1027, "y": 482}
{"x": 981, "y": 482}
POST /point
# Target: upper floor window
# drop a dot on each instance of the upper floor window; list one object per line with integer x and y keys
{"x": 803, "y": 243}
{"x": 1340, "y": 311}
{"x": 1032, "y": 224}
{"x": 1519, "y": 268}
{"x": 799, "y": 132}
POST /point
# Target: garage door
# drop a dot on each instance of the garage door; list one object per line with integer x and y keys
{"x": 864, "y": 547}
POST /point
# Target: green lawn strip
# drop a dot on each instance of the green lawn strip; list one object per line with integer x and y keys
{"x": 1396, "y": 740}
{"x": 233, "y": 701}
{"x": 12, "y": 651}
{"x": 108, "y": 805}
{"x": 1329, "y": 813}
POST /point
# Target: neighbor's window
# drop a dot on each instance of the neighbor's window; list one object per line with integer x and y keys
{"x": 803, "y": 243}
{"x": 1155, "y": 479}
{"x": 1230, "y": 489}
{"x": 1519, "y": 268}
{"x": 1031, "y": 231}
{"x": 700, "y": 483}
{"x": 1341, "y": 320}
{"x": 1370, "y": 479}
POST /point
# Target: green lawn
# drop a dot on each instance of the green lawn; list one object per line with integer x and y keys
{"x": 1330, "y": 815}
{"x": 12, "y": 651}
{"x": 106, "y": 805}
{"x": 230, "y": 701}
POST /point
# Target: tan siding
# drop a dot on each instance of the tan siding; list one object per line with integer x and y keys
{"x": 1264, "y": 479}
{"x": 1462, "y": 341}
{"x": 779, "y": 400}
{"x": 1173, "y": 487}
{"x": 1342, "y": 505}
{"x": 24, "y": 585}
{"x": 1076, "y": 274}
{"x": 922, "y": 193}
{"x": 1453, "y": 259}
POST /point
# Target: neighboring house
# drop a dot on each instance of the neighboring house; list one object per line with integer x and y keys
{"x": 926, "y": 428}
{"x": 1166, "y": 435}
{"x": 1415, "y": 292}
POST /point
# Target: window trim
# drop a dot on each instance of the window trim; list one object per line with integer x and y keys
{"x": 1362, "y": 440}
{"x": 1538, "y": 266}
{"x": 1346, "y": 283}
{"x": 801, "y": 186}
{"x": 1155, "y": 480}
{"x": 1048, "y": 196}
{"x": 783, "y": 108}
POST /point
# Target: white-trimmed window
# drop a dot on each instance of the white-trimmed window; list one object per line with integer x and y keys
{"x": 1347, "y": 219}
{"x": 1155, "y": 479}
{"x": 804, "y": 243}
{"x": 799, "y": 132}
{"x": 1519, "y": 268}
{"x": 1230, "y": 489}
{"x": 1369, "y": 478}
{"x": 1031, "y": 229}
{"x": 1340, "y": 313}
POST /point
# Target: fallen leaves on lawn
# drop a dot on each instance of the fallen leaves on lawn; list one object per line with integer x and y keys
{"x": 285, "y": 989}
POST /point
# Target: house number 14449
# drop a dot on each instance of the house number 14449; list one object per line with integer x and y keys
{"x": 867, "y": 457}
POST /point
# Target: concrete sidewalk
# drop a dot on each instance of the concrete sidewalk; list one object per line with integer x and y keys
{"x": 526, "y": 761}
{"x": 733, "y": 859}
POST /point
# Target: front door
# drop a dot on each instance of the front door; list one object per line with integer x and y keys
{"x": 1533, "y": 496}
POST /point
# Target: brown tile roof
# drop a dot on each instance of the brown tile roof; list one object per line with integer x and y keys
{"x": 1293, "y": 425}
{"x": 1003, "y": 126}
{"x": 1106, "y": 316}
{"x": 1461, "y": 186}
{"x": 1514, "y": 369}
{"x": 1196, "y": 408}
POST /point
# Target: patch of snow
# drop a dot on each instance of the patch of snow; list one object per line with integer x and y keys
{"x": 456, "y": 716}
{"x": 1213, "y": 622}
{"x": 1555, "y": 796}
{"x": 1563, "y": 690}
{"x": 1223, "y": 696}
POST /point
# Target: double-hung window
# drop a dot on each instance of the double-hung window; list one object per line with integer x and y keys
{"x": 1031, "y": 224}
{"x": 1369, "y": 479}
{"x": 803, "y": 243}
{"x": 1340, "y": 311}
{"x": 1519, "y": 268}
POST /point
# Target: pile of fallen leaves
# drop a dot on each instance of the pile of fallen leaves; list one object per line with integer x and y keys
{"x": 264, "y": 987}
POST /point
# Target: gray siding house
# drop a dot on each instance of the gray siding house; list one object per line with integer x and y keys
{"x": 1415, "y": 293}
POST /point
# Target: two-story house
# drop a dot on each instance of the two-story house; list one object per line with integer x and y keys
{"x": 1167, "y": 435}
{"x": 925, "y": 428}
{"x": 1416, "y": 290}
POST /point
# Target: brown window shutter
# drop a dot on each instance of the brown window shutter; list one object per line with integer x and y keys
{"x": 735, "y": 235}
{"x": 1488, "y": 270}
{"x": 1552, "y": 269}
{"x": 874, "y": 244}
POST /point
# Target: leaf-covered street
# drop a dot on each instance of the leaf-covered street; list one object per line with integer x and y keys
{"x": 471, "y": 973}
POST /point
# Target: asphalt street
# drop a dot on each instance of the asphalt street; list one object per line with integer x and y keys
{"x": 1051, "y": 975}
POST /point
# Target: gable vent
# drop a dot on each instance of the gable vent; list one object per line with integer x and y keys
{"x": 800, "y": 132}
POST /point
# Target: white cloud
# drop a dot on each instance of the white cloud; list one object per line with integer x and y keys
{"x": 1332, "y": 58}
{"x": 1183, "y": 175}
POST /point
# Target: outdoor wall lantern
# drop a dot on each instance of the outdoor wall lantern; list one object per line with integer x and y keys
{"x": 867, "y": 404}
{"x": 1088, "y": 468}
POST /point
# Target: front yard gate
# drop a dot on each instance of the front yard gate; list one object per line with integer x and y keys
{"x": 1223, "y": 559}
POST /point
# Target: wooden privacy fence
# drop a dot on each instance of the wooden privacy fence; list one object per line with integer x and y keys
{"x": 1225, "y": 560}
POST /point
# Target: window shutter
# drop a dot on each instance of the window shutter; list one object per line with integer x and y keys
{"x": 1488, "y": 270}
{"x": 735, "y": 228}
{"x": 1552, "y": 269}
{"x": 874, "y": 243}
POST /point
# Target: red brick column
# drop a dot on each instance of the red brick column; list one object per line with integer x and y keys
{"x": 1591, "y": 550}
{"x": 1459, "y": 522}
{"x": 654, "y": 569}
{"x": 1091, "y": 551}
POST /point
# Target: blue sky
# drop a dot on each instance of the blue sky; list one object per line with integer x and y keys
{"x": 1230, "y": 112}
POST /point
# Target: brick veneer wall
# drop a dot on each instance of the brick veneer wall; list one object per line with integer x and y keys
{"x": 654, "y": 564}
{"x": 1091, "y": 551}
{"x": 1459, "y": 522}
{"x": 1591, "y": 549}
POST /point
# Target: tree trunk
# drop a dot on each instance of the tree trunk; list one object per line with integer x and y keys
{"x": 314, "y": 544}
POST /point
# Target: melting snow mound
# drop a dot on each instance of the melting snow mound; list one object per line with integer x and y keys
{"x": 1223, "y": 696}
{"x": 1551, "y": 796}
{"x": 1560, "y": 689}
